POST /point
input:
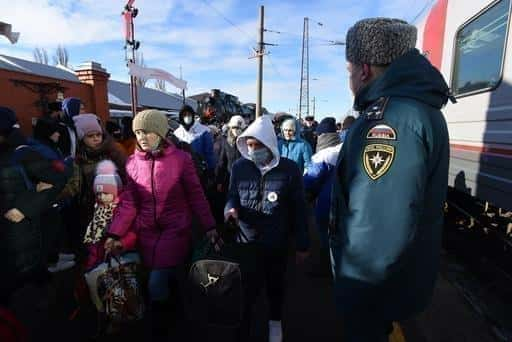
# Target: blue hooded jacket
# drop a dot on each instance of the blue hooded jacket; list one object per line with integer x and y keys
{"x": 296, "y": 149}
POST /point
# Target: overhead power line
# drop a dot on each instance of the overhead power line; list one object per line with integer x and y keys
{"x": 274, "y": 67}
{"x": 229, "y": 21}
{"x": 422, "y": 11}
{"x": 300, "y": 36}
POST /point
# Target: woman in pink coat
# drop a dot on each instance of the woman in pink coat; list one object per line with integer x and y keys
{"x": 161, "y": 196}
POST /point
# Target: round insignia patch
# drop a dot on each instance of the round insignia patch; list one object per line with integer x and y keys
{"x": 377, "y": 159}
{"x": 272, "y": 197}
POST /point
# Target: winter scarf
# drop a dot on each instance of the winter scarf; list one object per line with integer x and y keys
{"x": 327, "y": 140}
{"x": 100, "y": 221}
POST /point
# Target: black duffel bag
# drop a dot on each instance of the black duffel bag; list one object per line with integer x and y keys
{"x": 215, "y": 290}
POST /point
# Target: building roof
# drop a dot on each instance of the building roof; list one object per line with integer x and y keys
{"x": 119, "y": 94}
{"x": 29, "y": 67}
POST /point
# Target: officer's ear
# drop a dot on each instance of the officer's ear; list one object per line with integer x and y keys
{"x": 366, "y": 72}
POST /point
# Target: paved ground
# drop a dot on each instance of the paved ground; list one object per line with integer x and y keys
{"x": 310, "y": 315}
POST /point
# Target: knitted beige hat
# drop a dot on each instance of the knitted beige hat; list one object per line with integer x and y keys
{"x": 379, "y": 41}
{"x": 151, "y": 120}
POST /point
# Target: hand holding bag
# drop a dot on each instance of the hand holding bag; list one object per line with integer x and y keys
{"x": 119, "y": 288}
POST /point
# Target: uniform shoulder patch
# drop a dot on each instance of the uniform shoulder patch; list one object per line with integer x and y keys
{"x": 376, "y": 110}
{"x": 377, "y": 159}
{"x": 381, "y": 132}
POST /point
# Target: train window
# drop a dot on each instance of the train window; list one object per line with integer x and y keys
{"x": 479, "y": 51}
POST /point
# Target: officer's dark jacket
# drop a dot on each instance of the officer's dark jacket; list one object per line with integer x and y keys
{"x": 387, "y": 209}
{"x": 20, "y": 243}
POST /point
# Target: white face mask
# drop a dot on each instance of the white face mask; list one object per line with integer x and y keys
{"x": 188, "y": 120}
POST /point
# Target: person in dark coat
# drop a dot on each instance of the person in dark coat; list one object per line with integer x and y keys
{"x": 68, "y": 142}
{"x": 28, "y": 184}
{"x": 45, "y": 140}
{"x": 198, "y": 136}
{"x": 266, "y": 197}
{"x": 229, "y": 152}
{"x": 391, "y": 181}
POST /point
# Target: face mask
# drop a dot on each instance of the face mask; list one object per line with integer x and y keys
{"x": 259, "y": 156}
{"x": 188, "y": 120}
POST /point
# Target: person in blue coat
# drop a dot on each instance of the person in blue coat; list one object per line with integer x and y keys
{"x": 391, "y": 182}
{"x": 266, "y": 197}
{"x": 292, "y": 146}
{"x": 318, "y": 177}
{"x": 197, "y": 135}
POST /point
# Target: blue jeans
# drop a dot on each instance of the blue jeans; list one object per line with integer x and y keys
{"x": 159, "y": 283}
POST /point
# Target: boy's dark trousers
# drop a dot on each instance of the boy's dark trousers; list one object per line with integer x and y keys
{"x": 262, "y": 268}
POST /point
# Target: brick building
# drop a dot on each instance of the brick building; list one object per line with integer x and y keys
{"x": 27, "y": 87}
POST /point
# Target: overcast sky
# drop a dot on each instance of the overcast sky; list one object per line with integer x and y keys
{"x": 213, "y": 53}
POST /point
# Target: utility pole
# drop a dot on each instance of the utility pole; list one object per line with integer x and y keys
{"x": 182, "y": 90}
{"x": 259, "y": 55}
{"x": 314, "y": 102}
{"x": 129, "y": 14}
{"x": 304, "y": 73}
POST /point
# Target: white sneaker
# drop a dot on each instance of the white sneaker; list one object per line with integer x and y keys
{"x": 275, "y": 331}
{"x": 66, "y": 257}
{"x": 61, "y": 266}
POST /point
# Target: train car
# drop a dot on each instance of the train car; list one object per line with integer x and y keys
{"x": 469, "y": 42}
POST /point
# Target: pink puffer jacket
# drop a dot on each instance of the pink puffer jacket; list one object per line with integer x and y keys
{"x": 162, "y": 194}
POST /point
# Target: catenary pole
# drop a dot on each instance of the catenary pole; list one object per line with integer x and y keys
{"x": 260, "y": 53}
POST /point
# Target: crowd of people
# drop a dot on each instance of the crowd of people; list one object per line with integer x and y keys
{"x": 79, "y": 189}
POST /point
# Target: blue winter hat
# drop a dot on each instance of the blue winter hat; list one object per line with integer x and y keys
{"x": 7, "y": 121}
{"x": 327, "y": 125}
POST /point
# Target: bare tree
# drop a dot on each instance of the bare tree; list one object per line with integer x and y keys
{"x": 40, "y": 55}
{"x": 160, "y": 85}
{"x": 139, "y": 60}
{"x": 61, "y": 56}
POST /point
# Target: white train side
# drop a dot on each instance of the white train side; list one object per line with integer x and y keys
{"x": 471, "y": 44}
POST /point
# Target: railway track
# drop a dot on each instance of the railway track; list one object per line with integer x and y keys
{"x": 478, "y": 245}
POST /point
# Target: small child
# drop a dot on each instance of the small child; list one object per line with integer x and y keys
{"x": 107, "y": 187}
